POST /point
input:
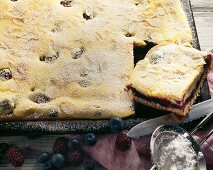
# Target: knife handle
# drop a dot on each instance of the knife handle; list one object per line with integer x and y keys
{"x": 209, "y": 116}
{"x": 206, "y": 137}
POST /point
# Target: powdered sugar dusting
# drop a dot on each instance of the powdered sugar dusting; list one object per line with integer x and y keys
{"x": 175, "y": 152}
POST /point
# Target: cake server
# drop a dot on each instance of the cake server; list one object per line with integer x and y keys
{"x": 147, "y": 127}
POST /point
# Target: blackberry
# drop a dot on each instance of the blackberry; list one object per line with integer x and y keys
{"x": 123, "y": 142}
{"x": 75, "y": 158}
{"x": 61, "y": 146}
{"x": 15, "y": 157}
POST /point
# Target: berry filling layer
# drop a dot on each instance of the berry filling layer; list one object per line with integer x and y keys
{"x": 165, "y": 102}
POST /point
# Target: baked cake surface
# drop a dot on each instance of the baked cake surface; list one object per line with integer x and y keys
{"x": 170, "y": 77}
{"x": 69, "y": 59}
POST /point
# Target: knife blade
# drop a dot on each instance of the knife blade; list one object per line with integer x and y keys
{"x": 147, "y": 127}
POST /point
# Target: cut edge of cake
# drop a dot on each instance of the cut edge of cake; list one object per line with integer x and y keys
{"x": 165, "y": 104}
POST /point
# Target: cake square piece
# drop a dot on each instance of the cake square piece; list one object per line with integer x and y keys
{"x": 170, "y": 77}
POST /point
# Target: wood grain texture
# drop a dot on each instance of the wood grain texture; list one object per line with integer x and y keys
{"x": 203, "y": 13}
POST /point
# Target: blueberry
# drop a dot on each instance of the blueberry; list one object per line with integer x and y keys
{"x": 5, "y": 74}
{"x": 66, "y": 3}
{"x": 78, "y": 53}
{"x": 74, "y": 144}
{"x": 88, "y": 15}
{"x": 89, "y": 166}
{"x": 53, "y": 113}
{"x": 4, "y": 147}
{"x": 43, "y": 157}
{"x": 6, "y": 107}
{"x": 116, "y": 125}
{"x": 90, "y": 139}
{"x": 58, "y": 160}
{"x": 50, "y": 58}
{"x": 40, "y": 98}
{"x": 47, "y": 166}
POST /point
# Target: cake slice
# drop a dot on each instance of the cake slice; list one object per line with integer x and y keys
{"x": 170, "y": 77}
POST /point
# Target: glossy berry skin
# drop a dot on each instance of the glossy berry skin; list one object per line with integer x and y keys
{"x": 47, "y": 166}
{"x": 58, "y": 160}
{"x": 60, "y": 146}
{"x": 75, "y": 158}
{"x": 123, "y": 142}
{"x": 74, "y": 144}
{"x": 89, "y": 166}
{"x": 15, "y": 156}
{"x": 43, "y": 157}
{"x": 90, "y": 139}
{"x": 116, "y": 125}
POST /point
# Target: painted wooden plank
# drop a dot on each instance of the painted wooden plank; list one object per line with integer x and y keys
{"x": 202, "y": 5}
{"x": 204, "y": 23}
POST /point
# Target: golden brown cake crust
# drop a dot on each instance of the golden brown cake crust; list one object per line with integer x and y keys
{"x": 74, "y": 57}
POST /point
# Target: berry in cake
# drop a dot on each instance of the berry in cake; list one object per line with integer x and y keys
{"x": 5, "y": 74}
{"x": 6, "y": 107}
{"x": 88, "y": 14}
{"x": 40, "y": 98}
{"x": 53, "y": 113}
{"x": 78, "y": 53}
{"x": 66, "y": 3}
{"x": 90, "y": 139}
{"x": 15, "y": 156}
{"x": 51, "y": 58}
{"x": 123, "y": 142}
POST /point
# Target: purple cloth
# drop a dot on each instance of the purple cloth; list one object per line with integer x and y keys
{"x": 138, "y": 156}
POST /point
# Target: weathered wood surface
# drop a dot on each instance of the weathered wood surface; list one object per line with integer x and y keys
{"x": 203, "y": 14}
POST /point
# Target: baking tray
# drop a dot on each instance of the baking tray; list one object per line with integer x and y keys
{"x": 99, "y": 126}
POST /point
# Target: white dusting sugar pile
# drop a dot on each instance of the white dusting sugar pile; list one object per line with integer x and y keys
{"x": 175, "y": 152}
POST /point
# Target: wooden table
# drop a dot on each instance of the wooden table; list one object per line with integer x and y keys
{"x": 203, "y": 13}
